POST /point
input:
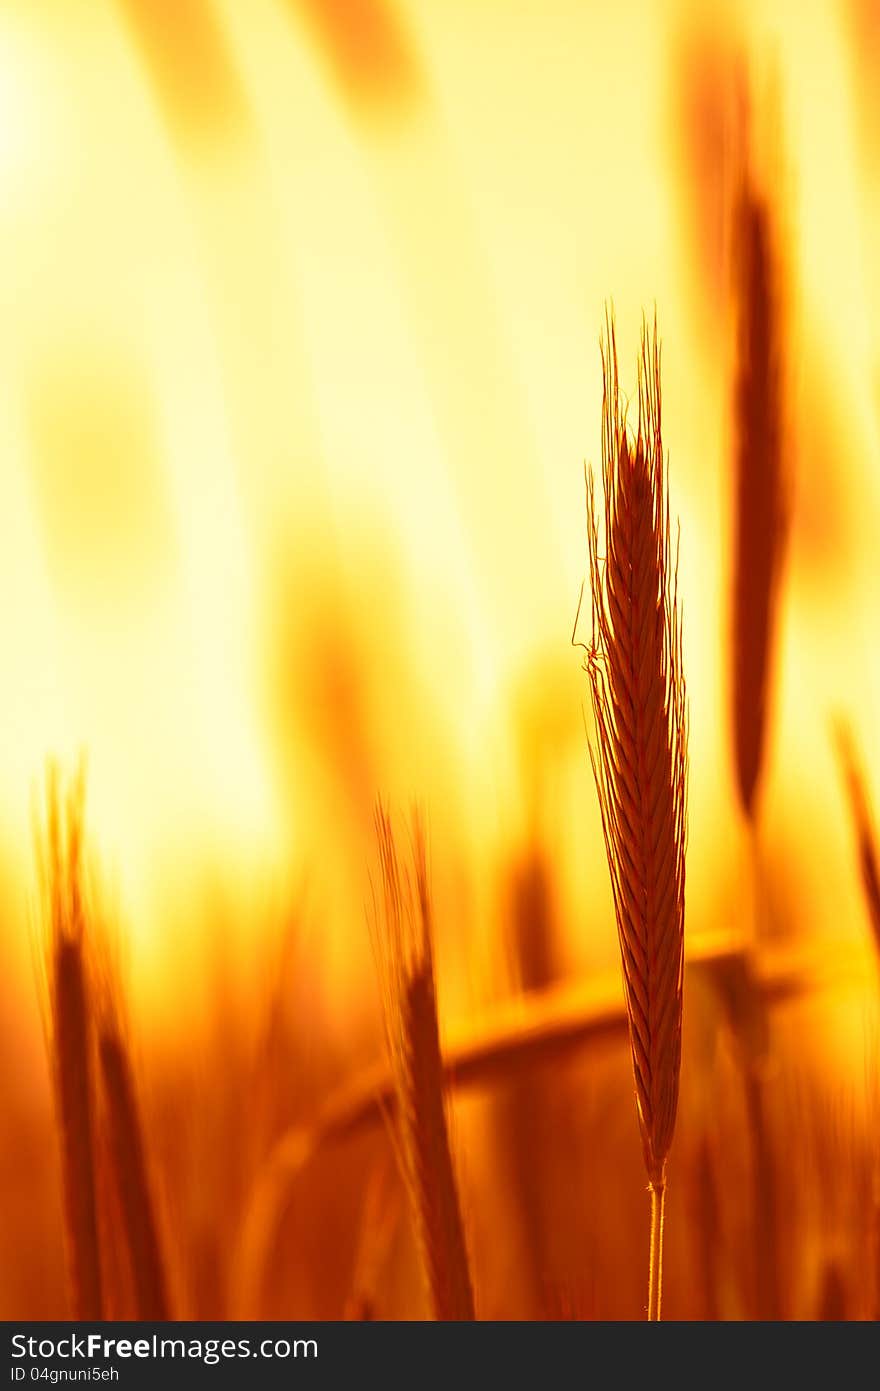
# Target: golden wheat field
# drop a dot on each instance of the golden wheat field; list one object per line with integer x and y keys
{"x": 439, "y": 676}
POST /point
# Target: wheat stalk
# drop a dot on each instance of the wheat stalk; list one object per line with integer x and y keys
{"x": 833, "y": 1300}
{"x": 640, "y": 753}
{"x": 71, "y": 1026}
{"x": 707, "y": 1226}
{"x": 743, "y": 1005}
{"x": 538, "y": 1030}
{"x": 404, "y": 952}
{"x": 378, "y": 1226}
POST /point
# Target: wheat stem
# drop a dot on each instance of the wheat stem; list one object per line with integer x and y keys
{"x": 706, "y": 1228}
{"x": 655, "y": 1253}
{"x": 764, "y": 1208}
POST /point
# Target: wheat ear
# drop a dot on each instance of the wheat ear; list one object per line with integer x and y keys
{"x": 130, "y": 1168}
{"x": 760, "y": 489}
{"x": 863, "y": 827}
{"x": 404, "y": 952}
{"x": 71, "y": 1027}
{"x": 639, "y": 754}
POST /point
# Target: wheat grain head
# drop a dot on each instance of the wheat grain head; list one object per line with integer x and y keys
{"x": 639, "y": 754}
{"x": 760, "y": 485}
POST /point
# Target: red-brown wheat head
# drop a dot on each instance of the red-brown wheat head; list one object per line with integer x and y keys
{"x": 640, "y": 752}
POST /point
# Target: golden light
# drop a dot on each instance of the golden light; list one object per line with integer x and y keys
{"x": 299, "y": 373}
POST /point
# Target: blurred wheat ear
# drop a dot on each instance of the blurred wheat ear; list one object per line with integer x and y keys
{"x": 760, "y": 502}
{"x": 760, "y": 530}
{"x": 129, "y": 1161}
{"x": 863, "y": 826}
{"x": 71, "y": 1037}
{"x": 404, "y": 951}
{"x": 640, "y": 752}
